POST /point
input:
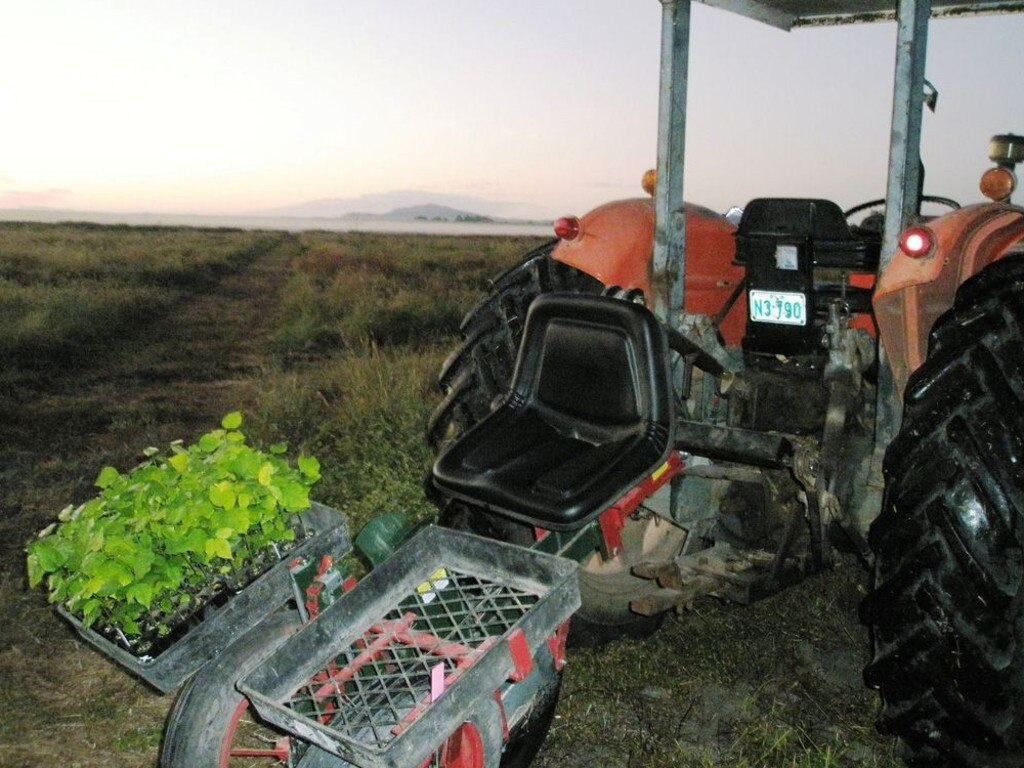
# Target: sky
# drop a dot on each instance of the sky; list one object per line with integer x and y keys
{"x": 528, "y": 109}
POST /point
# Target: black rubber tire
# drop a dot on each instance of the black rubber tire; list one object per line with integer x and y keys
{"x": 947, "y": 610}
{"x": 599, "y": 622}
{"x": 480, "y": 369}
{"x": 195, "y": 730}
{"x": 525, "y": 741}
{"x": 194, "y": 733}
{"x": 477, "y": 373}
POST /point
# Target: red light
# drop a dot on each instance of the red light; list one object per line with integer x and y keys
{"x": 567, "y": 228}
{"x": 917, "y": 242}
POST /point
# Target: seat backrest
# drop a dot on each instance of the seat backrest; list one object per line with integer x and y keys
{"x": 594, "y": 364}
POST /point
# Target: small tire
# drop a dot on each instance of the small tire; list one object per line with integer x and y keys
{"x": 200, "y": 727}
{"x": 947, "y": 609}
{"x": 523, "y": 746}
{"x": 599, "y": 623}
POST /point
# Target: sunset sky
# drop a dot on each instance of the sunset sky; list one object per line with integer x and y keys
{"x": 523, "y": 108}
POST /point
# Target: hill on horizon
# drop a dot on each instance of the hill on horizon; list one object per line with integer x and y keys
{"x": 433, "y": 212}
{"x": 407, "y": 205}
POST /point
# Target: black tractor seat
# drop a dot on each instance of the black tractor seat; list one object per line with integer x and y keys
{"x": 588, "y": 415}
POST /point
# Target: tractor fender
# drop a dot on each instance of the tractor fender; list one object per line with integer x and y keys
{"x": 913, "y": 292}
{"x": 615, "y": 245}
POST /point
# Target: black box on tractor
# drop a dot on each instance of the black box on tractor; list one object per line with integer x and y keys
{"x": 799, "y": 255}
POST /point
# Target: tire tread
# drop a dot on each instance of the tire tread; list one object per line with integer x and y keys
{"x": 480, "y": 369}
{"x": 946, "y": 612}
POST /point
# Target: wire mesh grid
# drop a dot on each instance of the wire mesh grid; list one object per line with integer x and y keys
{"x": 377, "y": 686}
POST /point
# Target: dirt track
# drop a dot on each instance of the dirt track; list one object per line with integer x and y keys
{"x": 168, "y": 378}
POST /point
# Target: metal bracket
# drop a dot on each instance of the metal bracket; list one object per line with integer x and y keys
{"x": 721, "y": 571}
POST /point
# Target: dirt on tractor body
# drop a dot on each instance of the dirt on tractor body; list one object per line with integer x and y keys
{"x": 773, "y": 684}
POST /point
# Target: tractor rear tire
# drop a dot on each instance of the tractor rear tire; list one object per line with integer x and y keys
{"x": 947, "y": 610}
{"x": 473, "y": 378}
{"x": 479, "y": 370}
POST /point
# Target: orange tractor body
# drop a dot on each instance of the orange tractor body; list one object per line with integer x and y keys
{"x": 914, "y": 290}
{"x": 615, "y": 243}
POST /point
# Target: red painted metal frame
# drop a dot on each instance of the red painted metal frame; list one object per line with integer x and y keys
{"x": 521, "y": 658}
{"x": 556, "y": 644}
{"x": 504, "y": 717}
{"x": 317, "y": 586}
{"x": 613, "y": 519}
{"x": 280, "y": 750}
{"x": 384, "y": 635}
{"x": 463, "y": 749}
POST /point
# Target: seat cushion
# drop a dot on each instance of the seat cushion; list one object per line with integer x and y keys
{"x": 516, "y": 464}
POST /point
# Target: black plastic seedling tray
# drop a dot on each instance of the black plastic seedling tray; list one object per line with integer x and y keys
{"x": 265, "y": 595}
{"x": 418, "y": 648}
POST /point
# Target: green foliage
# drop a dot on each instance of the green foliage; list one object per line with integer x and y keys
{"x": 165, "y": 535}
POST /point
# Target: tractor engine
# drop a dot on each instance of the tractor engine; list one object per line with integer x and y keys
{"x": 809, "y": 282}
{"x": 789, "y": 422}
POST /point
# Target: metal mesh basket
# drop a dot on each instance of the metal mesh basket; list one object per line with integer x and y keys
{"x": 384, "y": 675}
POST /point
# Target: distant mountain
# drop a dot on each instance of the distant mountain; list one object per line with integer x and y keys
{"x": 406, "y": 206}
{"x": 425, "y": 212}
{"x": 434, "y": 212}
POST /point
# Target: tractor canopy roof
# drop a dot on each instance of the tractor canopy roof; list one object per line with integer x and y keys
{"x": 787, "y": 14}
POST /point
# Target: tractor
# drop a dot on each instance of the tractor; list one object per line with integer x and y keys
{"x": 822, "y": 381}
{"x": 674, "y": 404}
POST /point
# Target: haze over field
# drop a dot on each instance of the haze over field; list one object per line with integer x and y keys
{"x": 517, "y": 110}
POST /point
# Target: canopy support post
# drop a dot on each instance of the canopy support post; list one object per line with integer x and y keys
{"x": 669, "y": 262}
{"x": 902, "y": 201}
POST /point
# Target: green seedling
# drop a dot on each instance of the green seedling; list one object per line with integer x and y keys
{"x": 176, "y": 532}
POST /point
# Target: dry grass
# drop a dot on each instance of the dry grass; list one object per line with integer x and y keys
{"x": 67, "y": 290}
{"x": 61, "y": 704}
{"x": 368, "y": 407}
{"x": 772, "y": 684}
{"x": 350, "y": 291}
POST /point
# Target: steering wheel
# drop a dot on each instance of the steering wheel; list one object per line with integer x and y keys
{"x": 948, "y": 202}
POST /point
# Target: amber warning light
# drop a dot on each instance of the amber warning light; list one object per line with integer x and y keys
{"x": 998, "y": 184}
{"x": 917, "y": 242}
{"x": 649, "y": 182}
{"x": 567, "y": 228}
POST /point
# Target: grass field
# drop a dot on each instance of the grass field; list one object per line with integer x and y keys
{"x": 114, "y": 339}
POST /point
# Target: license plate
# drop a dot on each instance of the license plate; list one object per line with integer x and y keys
{"x": 778, "y": 307}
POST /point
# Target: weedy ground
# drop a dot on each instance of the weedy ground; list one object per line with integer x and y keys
{"x": 113, "y": 339}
